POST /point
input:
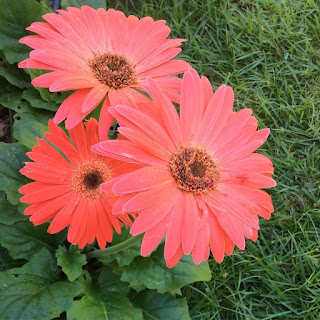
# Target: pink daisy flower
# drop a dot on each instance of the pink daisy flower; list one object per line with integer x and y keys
{"x": 200, "y": 184}
{"x": 102, "y": 54}
{"x": 66, "y": 186}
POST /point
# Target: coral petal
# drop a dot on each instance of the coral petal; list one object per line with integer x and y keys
{"x": 173, "y": 235}
{"x": 175, "y": 259}
{"x": 94, "y": 97}
{"x": 154, "y": 236}
{"x": 190, "y": 223}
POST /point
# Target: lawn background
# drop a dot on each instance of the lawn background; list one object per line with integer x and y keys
{"x": 269, "y": 52}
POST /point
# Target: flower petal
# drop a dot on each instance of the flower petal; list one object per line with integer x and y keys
{"x": 143, "y": 179}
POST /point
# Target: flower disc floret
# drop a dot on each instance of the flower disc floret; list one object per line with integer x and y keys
{"x": 88, "y": 177}
{"x": 114, "y": 70}
{"x": 194, "y": 170}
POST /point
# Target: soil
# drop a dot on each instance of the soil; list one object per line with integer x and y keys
{"x": 5, "y": 132}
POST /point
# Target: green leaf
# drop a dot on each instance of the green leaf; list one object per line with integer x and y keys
{"x": 109, "y": 282}
{"x": 12, "y": 100}
{"x": 12, "y": 158}
{"x": 123, "y": 257}
{"x": 46, "y": 4}
{"x": 28, "y": 127}
{"x": 23, "y": 240}
{"x": 15, "y": 76}
{"x": 7, "y": 98}
{"x": 9, "y": 214}
{"x": 34, "y": 98}
{"x": 6, "y": 262}
{"x": 35, "y": 290}
{"x": 152, "y": 272}
{"x": 78, "y": 3}
{"x": 87, "y": 308}
{"x": 113, "y": 293}
{"x": 156, "y": 306}
{"x": 21, "y": 207}
{"x": 10, "y": 97}
{"x": 106, "y": 299}
{"x": 71, "y": 261}
{"x": 15, "y": 16}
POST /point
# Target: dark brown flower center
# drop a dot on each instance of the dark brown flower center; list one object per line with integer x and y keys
{"x": 92, "y": 180}
{"x": 114, "y": 70}
{"x": 194, "y": 170}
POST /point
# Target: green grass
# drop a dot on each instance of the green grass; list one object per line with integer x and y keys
{"x": 269, "y": 52}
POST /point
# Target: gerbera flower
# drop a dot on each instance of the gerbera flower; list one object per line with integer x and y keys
{"x": 66, "y": 186}
{"x": 201, "y": 180}
{"x": 102, "y": 53}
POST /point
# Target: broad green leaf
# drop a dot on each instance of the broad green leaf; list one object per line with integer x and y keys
{"x": 87, "y": 308}
{"x": 34, "y": 98}
{"x": 23, "y": 240}
{"x": 123, "y": 257}
{"x": 71, "y": 261}
{"x": 15, "y": 16}
{"x": 6, "y": 262}
{"x": 12, "y": 158}
{"x": 156, "y": 306}
{"x": 110, "y": 282}
{"x": 15, "y": 76}
{"x": 9, "y": 214}
{"x": 28, "y": 127}
{"x": 106, "y": 299}
{"x": 46, "y": 4}
{"x": 120, "y": 307}
{"x": 113, "y": 293}
{"x": 35, "y": 291}
{"x": 78, "y": 3}
{"x": 21, "y": 207}
{"x": 10, "y": 97}
{"x": 152, "y": 272}
{"x": 13, "y": 98}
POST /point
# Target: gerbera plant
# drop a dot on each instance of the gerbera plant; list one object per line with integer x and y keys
{"x": 67, "y": 185}
{"x": 200, "y": 184}
{"x": 102, "y": 54}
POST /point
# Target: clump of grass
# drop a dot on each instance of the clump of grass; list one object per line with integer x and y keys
{"x": 268, "y": 51}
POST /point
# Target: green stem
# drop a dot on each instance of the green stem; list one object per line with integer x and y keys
{"x": 114, "y": 249}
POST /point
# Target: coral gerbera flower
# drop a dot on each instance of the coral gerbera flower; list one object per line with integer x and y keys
{"x": 102, "y": 53}
{"x": 66, "y": 186}
{"x": 201, "y": 180}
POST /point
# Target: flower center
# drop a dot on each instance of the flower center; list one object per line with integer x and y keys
{"x": 88, "y": 177}
{"x": 194, "y": 170}
{"x": 113, "y": 69}
{"x": 92, "y": 180}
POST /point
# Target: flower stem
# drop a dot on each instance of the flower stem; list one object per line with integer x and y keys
{"x": 114, "y": 249}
